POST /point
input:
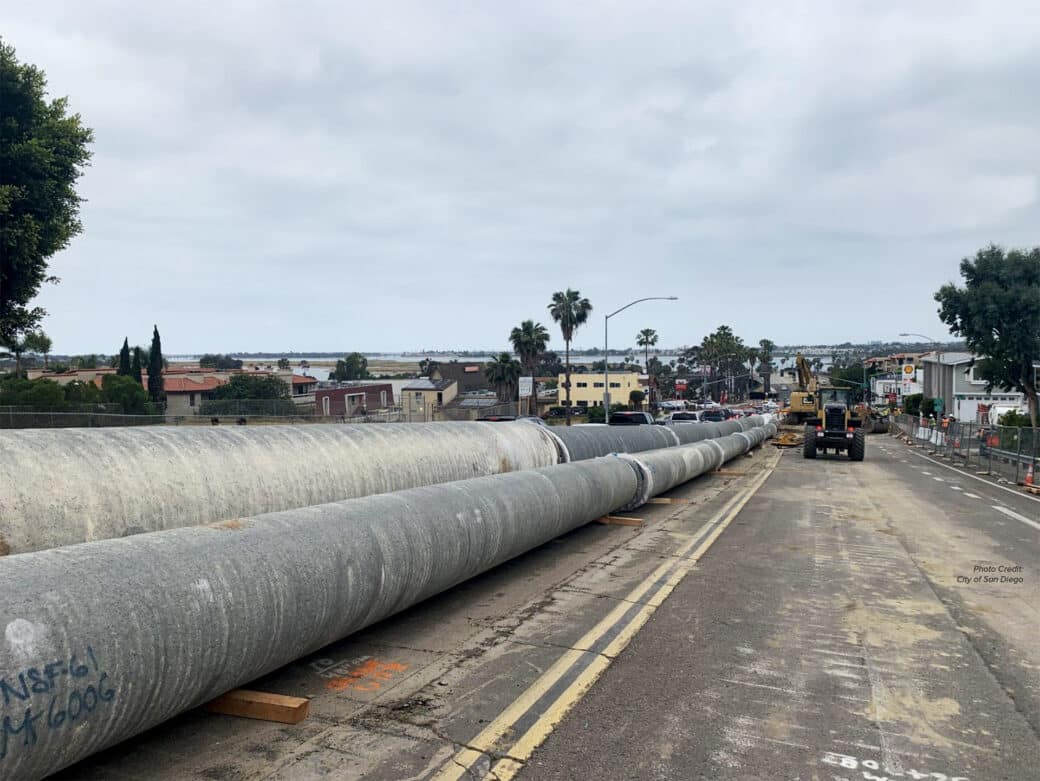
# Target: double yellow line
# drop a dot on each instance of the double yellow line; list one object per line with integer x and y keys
{"x": 529, "y": 719}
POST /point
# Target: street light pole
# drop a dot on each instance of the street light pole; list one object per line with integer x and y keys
{"x": 939, "y": 363}
{"x": 606, "y": 350}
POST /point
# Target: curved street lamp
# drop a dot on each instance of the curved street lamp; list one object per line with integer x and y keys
{"x": 606, "y": 352}
{"x": 939, "y": 363}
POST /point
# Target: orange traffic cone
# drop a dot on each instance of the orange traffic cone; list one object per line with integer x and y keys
{"x": 1029, "y": 475}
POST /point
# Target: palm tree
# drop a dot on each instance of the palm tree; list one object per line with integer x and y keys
{"x": 529, "y": 341}
{"x": 570, "y": 310}
{"x": 503, "y": 372}
{"x": 646, "y": 339}
{"x": 765, "y": 353}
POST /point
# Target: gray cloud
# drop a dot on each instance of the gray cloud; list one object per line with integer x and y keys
{"x": 337, "y": 177}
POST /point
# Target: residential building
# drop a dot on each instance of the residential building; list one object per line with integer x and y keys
{"x": 353, "y": 398}
{"x": 587, "y": 389}
{"x": 468, "y": 376}
{"x": 421, "y": 398}
{"x": 953, "y": 378}
{"x": 185, "y": 393}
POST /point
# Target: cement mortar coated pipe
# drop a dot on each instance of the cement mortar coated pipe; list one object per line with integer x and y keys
{"x": 64, "y": 486}
{"x": 663, "y": 470}
{"x": 592, "y": 441}
{"x": 106, "y": 639}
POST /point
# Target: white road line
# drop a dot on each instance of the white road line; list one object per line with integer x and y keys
{"x": 956, "y": 487}
{"x": 972, "y": 496}
{"x": 926, "y": 473}
{"x": 1012, "y": 514}
{"x": 938, "y": 479}
{"x": 974, "y": 477}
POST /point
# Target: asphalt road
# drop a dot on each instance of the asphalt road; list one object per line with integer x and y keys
{"x": 785, "y": 619}
{"x": 848, "y": 625}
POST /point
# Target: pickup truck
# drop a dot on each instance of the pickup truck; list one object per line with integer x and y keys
{"x": 631, "y": 419}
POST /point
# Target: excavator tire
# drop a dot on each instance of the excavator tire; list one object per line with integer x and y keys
{"x": 858, "y": 446}
{"x": 809, "y": 445}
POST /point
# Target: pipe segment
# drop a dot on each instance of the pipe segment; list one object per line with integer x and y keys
{"x": 583, "y": 442}
{"x": 64, "y": 486}
{"x": 663, "y": 470}
{"x": 106, "y": 639}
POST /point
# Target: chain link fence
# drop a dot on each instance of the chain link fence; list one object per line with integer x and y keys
{"x": 255, "y": 412}
{"x": 1006, "y": 452}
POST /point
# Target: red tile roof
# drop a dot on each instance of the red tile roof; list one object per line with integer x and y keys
{"x": 185, "y": 385}
{"x": 298, "y": 380}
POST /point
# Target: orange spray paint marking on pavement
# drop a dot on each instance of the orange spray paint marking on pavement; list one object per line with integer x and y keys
{"x": 367, "y": 677}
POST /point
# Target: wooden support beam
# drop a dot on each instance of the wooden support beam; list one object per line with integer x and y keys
{"x": 618, "y": 520}
{"x": 261, "y": 705}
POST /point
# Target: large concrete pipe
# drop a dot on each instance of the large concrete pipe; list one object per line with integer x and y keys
{"x": 109, "y": 638}
{"x": 591, "y": 441}
{"x": 63, "y": 486}
{"x": 663, "y": 470}
{"x": 688, "y": 433}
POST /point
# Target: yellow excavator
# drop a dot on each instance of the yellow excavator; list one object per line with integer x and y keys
{"x": 804, "y": 404}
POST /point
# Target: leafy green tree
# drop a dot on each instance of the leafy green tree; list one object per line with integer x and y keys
{"x": 42, "y": 393}
{"x": 135, "y": 365}
{"x": 155, "y": 367}
{"x": 549, "y": 365}
{"x": 997, "y": 312}
{"x": 16, "y": 345}
{"x": 43, "y": 151}
{"x": 39, "y": 342}
{"x": 86, "y": 361}
{"x": 219, "y": 362}
{"x": 123, "y": 367}
{"x": 253, "y": 386}
{"x": 724, "y": 353}
{"x": 503, "y": 371}
{"x": 570, "y": 311}
{"x": 123, "y": 390}
{"x": 646, "y": 339}
{"x": 635, "y": 399}
{"x": 529, "y": 341}
{"x": 79, "y": 392}
{"x": 284, "y": 365}
{"x": 353, "y": 367}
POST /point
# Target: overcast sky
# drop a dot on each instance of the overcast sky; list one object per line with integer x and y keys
{"x": 386, "y": 176}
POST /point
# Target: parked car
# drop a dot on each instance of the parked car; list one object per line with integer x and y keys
{"x": 716, "y": 415}
{"x": 631, "y": 419}
{"x": 690, "y": 416}
{"x": 561, "y": 412}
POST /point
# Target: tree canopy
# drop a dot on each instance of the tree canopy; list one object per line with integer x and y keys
{"x": 997, "y": 312}
{"x": 353, "y": 367}
{"x": 570, "y": 311}
{"x": 43, "y": 151}
{"x": 219, "y": 362}
{"x": 503, "y": 371}
{"x": 253, "y": 386}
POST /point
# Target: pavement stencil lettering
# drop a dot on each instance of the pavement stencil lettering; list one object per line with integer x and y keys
{"x": 873, "y": 770}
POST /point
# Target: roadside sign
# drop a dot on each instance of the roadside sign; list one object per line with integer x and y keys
{"x": 526, "y": 386}
{"x": 908, "y": 369}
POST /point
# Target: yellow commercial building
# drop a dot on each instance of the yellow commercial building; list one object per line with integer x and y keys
{"x": 587, "y": 389}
